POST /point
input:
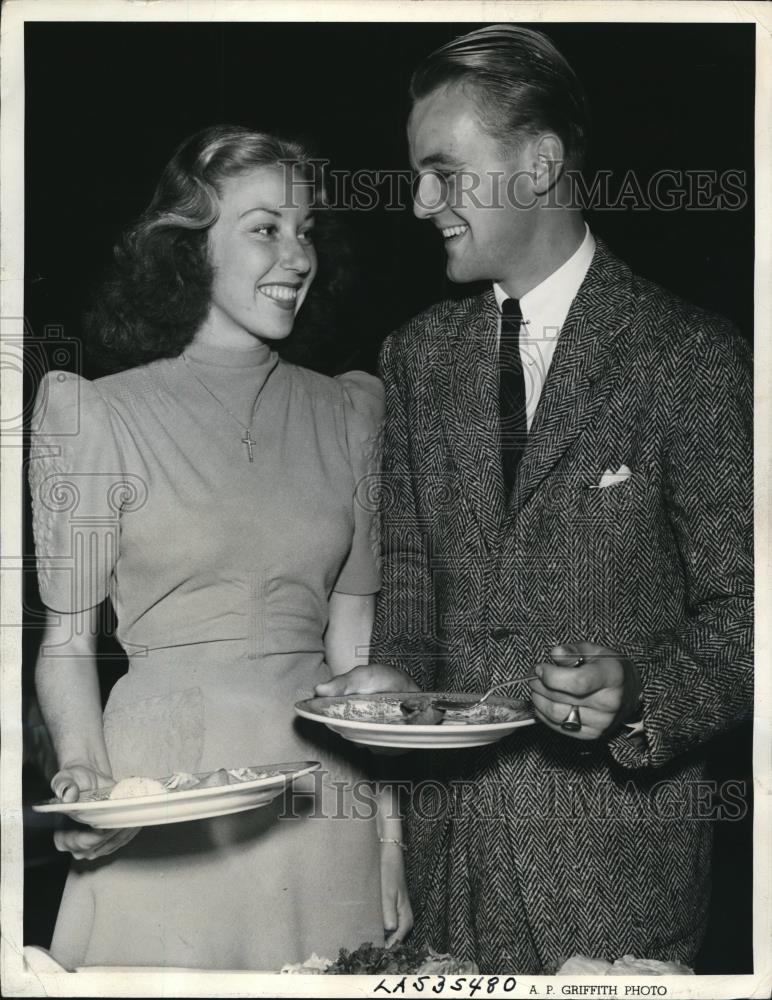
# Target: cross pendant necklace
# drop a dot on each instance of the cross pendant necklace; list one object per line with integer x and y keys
{"x": 247, "y": 440}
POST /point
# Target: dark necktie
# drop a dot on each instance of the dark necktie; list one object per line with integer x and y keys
{"x": 514, "y": 429}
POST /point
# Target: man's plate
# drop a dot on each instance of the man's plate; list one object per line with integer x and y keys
{"x": 378, "y": 719}
{"x": 173, "y": 805}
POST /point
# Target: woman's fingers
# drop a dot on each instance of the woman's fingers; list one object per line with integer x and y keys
{"x": 114, "y": 840}
{"x": 79, "y": 841}
{"x": 395, "y": 902}
{"x": 389, "y": 911}
{"x": 74, "y": 778}
{"x": 397, "y": 914}
{"x": 86, "y": 845}
{"x": 65, "y": 787}
{"x": 404, "y": 920}
{"x": 112, "y": 844}
{"x": 370, "y": 678}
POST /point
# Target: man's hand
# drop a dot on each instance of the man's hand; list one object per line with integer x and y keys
{"x": 606, "y": 688}
{"x": 372, "y": 678}
{"x": 85, "y": 843}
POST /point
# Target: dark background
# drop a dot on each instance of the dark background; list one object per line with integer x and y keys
{"x": 107, "y": 103}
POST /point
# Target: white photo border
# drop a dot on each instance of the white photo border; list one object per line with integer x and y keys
{"x": 17, "y": 979}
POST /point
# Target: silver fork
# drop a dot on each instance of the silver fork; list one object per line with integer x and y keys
{"x": 445, "y": 705}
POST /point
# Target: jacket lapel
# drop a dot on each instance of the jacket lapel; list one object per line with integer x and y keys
{"x": 581, "y": 371}
{"x": 467, "y": 387}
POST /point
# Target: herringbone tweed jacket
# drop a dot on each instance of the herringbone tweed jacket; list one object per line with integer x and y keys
{"x": 542, "y": 846}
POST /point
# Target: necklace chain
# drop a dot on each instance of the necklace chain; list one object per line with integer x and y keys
{"x": 247, "y": 440}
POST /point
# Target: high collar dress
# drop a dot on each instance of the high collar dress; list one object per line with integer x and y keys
{"x": 220, "y": 571}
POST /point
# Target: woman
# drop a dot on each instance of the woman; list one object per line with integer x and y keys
{"x": 210, "y": 492}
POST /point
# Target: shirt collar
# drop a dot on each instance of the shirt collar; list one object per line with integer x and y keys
{"x": 551, "y": 299}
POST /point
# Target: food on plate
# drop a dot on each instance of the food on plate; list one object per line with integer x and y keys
{"x": 390, "y": 709}
{"x": 370, "y": 959}
{"x": 480, "y": 715}
{"x": 421, "y": 713}
{"x": 133, "y": 787}
{"x": 581, "y": 965}
{"x": 181, "y": 781}
{"x": 215, "y": 779}
{"x": 238, "y": 774}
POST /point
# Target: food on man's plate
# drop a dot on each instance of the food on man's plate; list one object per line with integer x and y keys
{"x": 370, "y": 959}
{"x": 393, "y": 710}
{"x": 131, "y": 788}
{"x": 421, "y": 713}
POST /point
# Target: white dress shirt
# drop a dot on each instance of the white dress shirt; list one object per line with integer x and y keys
{"x": 544, "y": 311}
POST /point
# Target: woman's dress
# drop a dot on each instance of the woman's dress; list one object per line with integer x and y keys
{"x": 220, "y": 571}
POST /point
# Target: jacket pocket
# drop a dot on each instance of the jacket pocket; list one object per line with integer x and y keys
{"x": 617, "y": 500}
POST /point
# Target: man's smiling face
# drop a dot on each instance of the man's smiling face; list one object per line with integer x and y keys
{"x": 473, "y": 190}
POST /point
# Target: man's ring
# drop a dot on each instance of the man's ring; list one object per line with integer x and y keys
{"x": 572, "y": 722}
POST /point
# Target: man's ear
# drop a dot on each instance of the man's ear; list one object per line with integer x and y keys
{"x": 548, "y": 161}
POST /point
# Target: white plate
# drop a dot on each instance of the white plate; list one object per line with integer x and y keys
{"x": 377, "y": 720}
{"x": 178, "y": 807}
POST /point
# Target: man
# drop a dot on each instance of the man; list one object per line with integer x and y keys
{"x": 567, "y": 481}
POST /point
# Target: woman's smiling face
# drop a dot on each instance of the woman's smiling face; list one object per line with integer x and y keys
{"x": 263, "y": 256}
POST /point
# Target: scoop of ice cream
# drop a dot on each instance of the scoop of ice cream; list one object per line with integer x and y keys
{"x": 131, "y": 788}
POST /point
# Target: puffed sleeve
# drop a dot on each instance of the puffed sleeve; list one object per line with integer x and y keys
{"x": 77, "y": 489}
{"x": 364, "y": 410}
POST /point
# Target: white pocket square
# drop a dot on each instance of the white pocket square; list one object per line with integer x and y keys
{"x": 610, "y": 478}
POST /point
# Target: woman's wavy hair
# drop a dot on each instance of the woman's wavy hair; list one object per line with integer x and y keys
{"x": 158, "y": 291}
